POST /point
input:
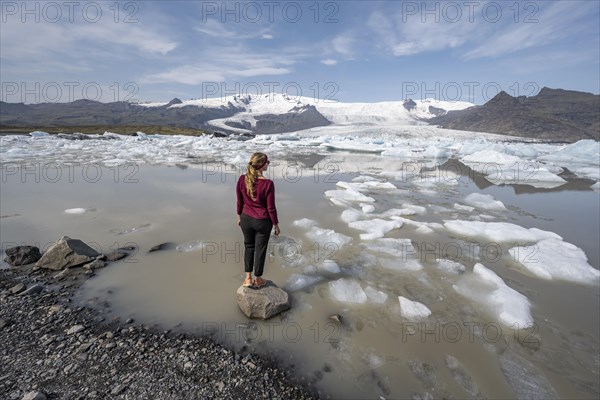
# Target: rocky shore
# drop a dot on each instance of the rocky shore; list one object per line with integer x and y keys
{"x": 51, "y": 348}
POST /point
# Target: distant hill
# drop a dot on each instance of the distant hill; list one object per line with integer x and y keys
{"x": 553, "y": 114}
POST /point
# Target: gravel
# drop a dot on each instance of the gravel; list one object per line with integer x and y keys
{"x": 51, "y": 348}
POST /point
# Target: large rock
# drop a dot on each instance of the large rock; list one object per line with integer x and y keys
{"x": 262, "y": 303}
{"x": 21, "y": 255}
{"x": 66, "y": 253}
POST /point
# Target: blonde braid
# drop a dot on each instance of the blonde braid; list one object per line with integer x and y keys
{"x": 257, "y": 160}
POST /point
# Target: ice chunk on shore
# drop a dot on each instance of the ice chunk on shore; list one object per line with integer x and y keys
{"x": 503, "y": 232}
{"x": 484, "y": 201}
{"x": 348, "y": 291}
{"x": 375, "y": 228}
{"x": 413, "y": 310}
{"x": 375, "y": 296}
{"x": 298, "y": 281}
{"x": 556, "y": 259}
{"x": 486, "y": 288}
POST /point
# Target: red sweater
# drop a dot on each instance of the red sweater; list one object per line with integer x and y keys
{"x": 264, "y": 205}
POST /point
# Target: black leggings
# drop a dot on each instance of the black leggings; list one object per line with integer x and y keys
{"x": 256, "y": 238}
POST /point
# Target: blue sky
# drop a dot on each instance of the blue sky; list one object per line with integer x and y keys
{"x": 344, "y": 50}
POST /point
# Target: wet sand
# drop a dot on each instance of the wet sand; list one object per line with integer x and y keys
{"x": 371, "y": 352}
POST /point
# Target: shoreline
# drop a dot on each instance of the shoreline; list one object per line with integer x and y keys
{"x": 65, "y": 350}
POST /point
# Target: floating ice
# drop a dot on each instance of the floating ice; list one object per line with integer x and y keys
{"x": 190, "y": 246}
{"x": 484, "y": 287}
{"x": 330, "y": 266}
{"x": 328, "y": 238}
{"x": 375, "y": 228}
{"x": 375, "y": 296}
{"x": 398, "y": 264}
{"x": 75, "y": 210}
{"x": 502, "y": 232}
{"x": 450, "y": 266}
{"x": 130, "y": 230}
{"x": 351, "y": 215}
{"x": 347, "y": 291}
{"x": 415, "y": 208}
{"x": 367, "y": 208}
{"x": 412, "y": 310}
{"x": 366, "y": 185}
{"x": 501, "y": 168}
{"x": 595, "y": 186}
{"x": 345, "y": 197}
{"x": 424, "y": 229}
{"x": 401, "y": 248}
{"x": 373, "y": 360}
{"x": 394, "y": 212}
{"x": 484, "y": 201}
{"x": 556, "y": 259}
{"x": 305, "y": 223}
{"x": 36, "y": 134}
{"x": 461, "y": 207}
{"x": 299, "y": 281}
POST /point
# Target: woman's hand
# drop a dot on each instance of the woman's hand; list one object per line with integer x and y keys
{"x": 239, "y": 221}
{"x": 277, "y": 230}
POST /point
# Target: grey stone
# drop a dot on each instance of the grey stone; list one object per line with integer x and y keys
{"x": 18, "y": 288}
{"x": 75, "y": 329}
{"x": 32, "y": 290}
{"x": 526, "y": 379}
{"x": 264, "y": 302}
{"x": 96, "y": 264}
{"x": 22, "y": 255}
{"x": 35, "y": 395}
{"x": 116, "y": 255}
{"x": 65, "y": 253}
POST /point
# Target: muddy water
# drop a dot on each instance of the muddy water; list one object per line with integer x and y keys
{"x": 374, "y": 352}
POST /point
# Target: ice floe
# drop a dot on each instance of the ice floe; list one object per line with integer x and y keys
{"x": 413, "y": 310}
{"x": 191, "y": 246}
{"x": 487, "y": 289}
{"x": 347, "y": 291}
{"x": 324, "y": 237}
{"x": 556, "y": 259}
{"x": 374, "y": 228}
{"x": 299, "y": 281}
{"x": 484, "y": 201}
{"x": 502, "y": 232}
{"x": 450, "y": 266}
{"x": 375, "y": 296}
{"x": 76, "y": 210}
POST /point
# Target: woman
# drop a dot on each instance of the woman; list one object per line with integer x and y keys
{"x": 257, "y": 215}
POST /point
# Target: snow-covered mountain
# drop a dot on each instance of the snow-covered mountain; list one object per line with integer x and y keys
{"x": 255, "y": 109}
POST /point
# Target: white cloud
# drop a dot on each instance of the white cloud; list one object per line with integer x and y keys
{"x": 556, "y": 21}
{"x": 329, "y": 61}
{"x": 414, "y": 36}
{"x": 221, "y": 64}
{"x": 343, "y": 44}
